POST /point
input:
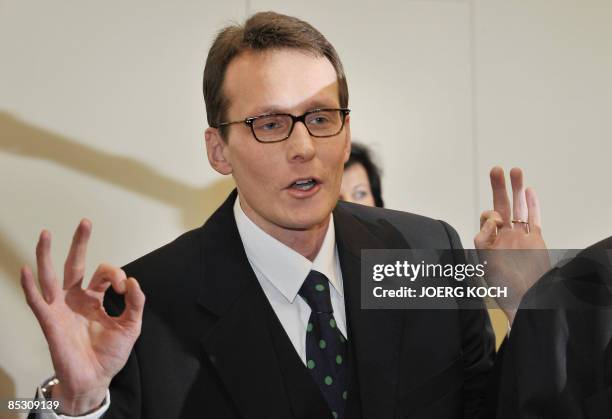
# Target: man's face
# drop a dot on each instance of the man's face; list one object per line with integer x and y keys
{"x": 283, "y": 81}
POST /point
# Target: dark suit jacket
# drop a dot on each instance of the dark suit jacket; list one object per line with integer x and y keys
{"x": 210, "y": 347}
{"x": 557, "y": 362}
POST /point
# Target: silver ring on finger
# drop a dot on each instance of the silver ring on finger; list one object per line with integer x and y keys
{"x": 525, "y": 223}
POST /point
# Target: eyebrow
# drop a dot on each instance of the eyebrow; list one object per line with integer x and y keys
{"x": 311, "y": 106}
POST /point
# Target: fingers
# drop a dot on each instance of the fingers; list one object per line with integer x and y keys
{"x": 46, "y": 274}
{"x": 33, "y": 297}
{"x": 74, "y": 267}
{"x": 501, "y": 203}
{"x": 519, "y": 201}
{"x": 105, "y": 276}
{"x": 533, "y": 205}
{"x": 499, "y": 222}
{"x": 134, "y": 302}
{"x": 487, "y": 234}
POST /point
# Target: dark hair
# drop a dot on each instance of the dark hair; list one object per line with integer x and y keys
{"x": 361, "y": 154}
{"x": 262, "y": 31}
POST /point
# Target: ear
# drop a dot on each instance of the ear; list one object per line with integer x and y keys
{"x": 217, "y": 151}
{"x": 347, "y": 130}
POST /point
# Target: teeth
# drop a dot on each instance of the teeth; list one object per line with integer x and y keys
{"x": 304, "y": 185}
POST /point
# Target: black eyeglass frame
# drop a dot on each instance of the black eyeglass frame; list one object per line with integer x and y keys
{"x": 301, "y": 118}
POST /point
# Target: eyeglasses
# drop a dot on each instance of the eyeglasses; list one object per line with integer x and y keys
{"x": 276, "y": 127}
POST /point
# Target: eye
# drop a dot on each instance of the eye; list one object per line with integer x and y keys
{"x": 270, "y": 123}
{"x": 359, "y": 195}
{"x": 319, "y": 119}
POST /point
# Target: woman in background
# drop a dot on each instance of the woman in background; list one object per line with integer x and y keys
{"x": 361, "y": 179}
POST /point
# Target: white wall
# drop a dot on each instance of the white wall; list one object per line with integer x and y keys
{"x": 101, "y": 115}
{"x": 543, "y": 97}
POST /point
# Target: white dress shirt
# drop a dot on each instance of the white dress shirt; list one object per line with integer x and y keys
{"x": 280, "y": 271}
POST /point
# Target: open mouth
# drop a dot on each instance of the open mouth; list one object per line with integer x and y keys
{"x": 304, "y": 184}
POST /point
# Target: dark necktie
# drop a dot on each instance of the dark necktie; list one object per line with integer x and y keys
{"x": 325, "y": 345}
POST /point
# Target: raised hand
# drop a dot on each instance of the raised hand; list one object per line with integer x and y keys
{"x": 88, "y": 347}
{"x": 517, "y": 230}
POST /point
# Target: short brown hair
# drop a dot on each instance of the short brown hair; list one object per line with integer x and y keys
{"x": 262, "y": 31}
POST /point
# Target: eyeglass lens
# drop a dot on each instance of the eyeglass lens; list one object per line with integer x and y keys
{"x": 324, "y": 123}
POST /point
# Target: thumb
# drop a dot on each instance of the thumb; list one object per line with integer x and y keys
{"x": 134, "y": 303}
{"x": 487, "y": 234}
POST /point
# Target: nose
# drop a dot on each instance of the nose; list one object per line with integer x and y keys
{"x": 300, "y": 144}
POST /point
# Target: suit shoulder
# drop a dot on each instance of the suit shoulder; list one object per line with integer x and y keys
{"x": 172, "y": 257}
{"x": 579, "y": 282}
{"x": 419, "y": 231}
{"x": 163, "y": 274}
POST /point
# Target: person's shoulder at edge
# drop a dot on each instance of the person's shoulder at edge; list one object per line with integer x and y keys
{"x": 584, "y": 276}
{"x": 418, "y": 231}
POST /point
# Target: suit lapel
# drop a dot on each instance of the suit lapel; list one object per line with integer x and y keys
{"x": 375, "y": 335}
{"x": 239, "y": 344}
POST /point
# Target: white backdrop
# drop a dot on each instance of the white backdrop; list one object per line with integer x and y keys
{"x": 101, "y": 115}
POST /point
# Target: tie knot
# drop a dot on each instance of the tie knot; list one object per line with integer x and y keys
{"x": 315, "y": 290}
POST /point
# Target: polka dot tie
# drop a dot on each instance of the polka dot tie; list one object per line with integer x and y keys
{"x": 325, "y": 345}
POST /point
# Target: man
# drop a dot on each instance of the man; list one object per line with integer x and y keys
{"x": 257, "y": 313}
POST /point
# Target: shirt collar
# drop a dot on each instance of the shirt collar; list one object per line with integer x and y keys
{"x": 282, "y": 266}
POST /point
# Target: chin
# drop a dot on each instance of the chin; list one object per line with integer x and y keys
{"x": 307, "y": 217}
